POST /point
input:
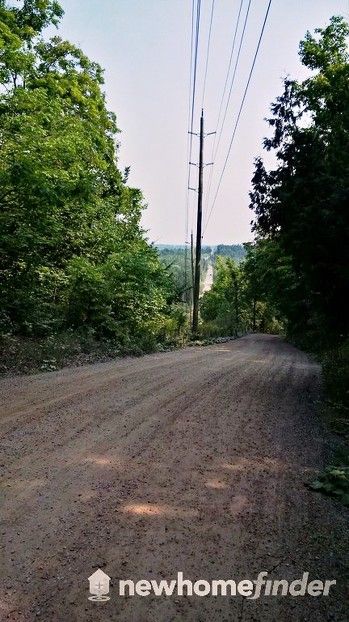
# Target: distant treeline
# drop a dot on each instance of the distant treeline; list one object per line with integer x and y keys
{"x": 177, "y": 261}
{"x": 235, "y": 251}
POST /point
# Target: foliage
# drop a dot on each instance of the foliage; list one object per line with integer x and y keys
{"x": 72, "y": 251}
{"x": 267, "y": 275}
{"x": 302, "y": 204}
{"x": 334, "y": 481}
{"x": 177, "y": 262}
{"x": 336, "y": 373}
{"x": 238, "y": 300}
{"x": 223, "y": 302}
{"x": 234, "y": 251}
{"x": 302, "y": 219}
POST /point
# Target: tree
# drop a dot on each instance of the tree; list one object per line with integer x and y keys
{"x": 72, "y": 250}
{"x": 223, "y": 303}
{"x": 269, "y": 286}
{"x": 302, "y": 203}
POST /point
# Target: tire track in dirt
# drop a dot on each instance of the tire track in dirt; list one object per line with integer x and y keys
{"x": 190, "y": 461}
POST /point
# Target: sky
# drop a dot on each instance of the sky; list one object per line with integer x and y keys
{"x": 144, "y": 47}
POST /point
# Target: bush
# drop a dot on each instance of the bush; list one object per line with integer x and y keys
{"x": 336, "y": 376}
{"x": 334, "y": 481}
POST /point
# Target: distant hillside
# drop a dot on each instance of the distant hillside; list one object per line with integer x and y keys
{"x": 235, "y": 251}
{"x": 180, "y": 247}
{"x": 173, "y": 256}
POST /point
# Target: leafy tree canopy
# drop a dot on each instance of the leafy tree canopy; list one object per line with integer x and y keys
{"x": 72, "y": 250}
{"x": 302, "y": 203}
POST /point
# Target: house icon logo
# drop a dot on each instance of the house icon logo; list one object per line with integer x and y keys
{"x": 99, "y": 586}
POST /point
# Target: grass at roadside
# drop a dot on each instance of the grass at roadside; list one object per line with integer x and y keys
{"x": 24, "y": 355}
{"x": 334, "y": 480}
{"x": 20, "y": 355}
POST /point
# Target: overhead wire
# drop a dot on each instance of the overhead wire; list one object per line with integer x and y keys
{"x": 232, "y": 82}
{"x": 195, "y": 30}
{"x": 188, "y": 154}
{"x": 207, "y": 53}
{"x": 230, "y": 60}
{"x": 214, "y": 150}
{"x": 197, "y": 35}
{"x": 239, "y": 112}
{"x": 189, "y": 114}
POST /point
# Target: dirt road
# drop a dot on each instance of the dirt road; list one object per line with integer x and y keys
{"x": 189, "y": 461}
{"x": 208, "y": 281}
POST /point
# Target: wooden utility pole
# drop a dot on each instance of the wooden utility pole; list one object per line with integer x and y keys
{"x": 196, "y": 292}
{"x": 192, "y": 263}
{"x": 190, "y": 289}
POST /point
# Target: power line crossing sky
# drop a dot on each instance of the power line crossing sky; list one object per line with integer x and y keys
{"x": 144, "y": 47}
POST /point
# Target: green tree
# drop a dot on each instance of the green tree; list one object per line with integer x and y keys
{"x": 269, "y": 286}
{"x": 302, "y": 203}
{"x": 72, "y": 249}
{"x": 223, "y": 304}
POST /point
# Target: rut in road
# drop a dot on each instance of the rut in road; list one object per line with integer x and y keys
{"x": 190, "y": 461}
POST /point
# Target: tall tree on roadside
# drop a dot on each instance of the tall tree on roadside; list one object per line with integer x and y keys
{"x": 72, "y": 250}
{"x": 303, "y": 203}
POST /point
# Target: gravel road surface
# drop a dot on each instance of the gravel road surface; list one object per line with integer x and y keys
{"x": 191, "y": 461}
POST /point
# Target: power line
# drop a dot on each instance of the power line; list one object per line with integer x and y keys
{"x": 186, "y": 224}
{"x": 233, "y": 77}
{"x": 230, "y": 61}
{"x": 193, "y": 82}
{"x": 189, "y": 112}
{"x": 222, "y": 98}
{"x": 240, "y": 111}
{"x": 197, "y": 32}
{"x": 192, "y": 92}
{"x": 208, "y": 52}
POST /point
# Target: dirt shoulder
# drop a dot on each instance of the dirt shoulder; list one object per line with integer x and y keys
{"x": 191, "y": 461}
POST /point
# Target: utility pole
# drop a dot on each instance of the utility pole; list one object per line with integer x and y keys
{"x": 196, "y": 292}
{"x": 192, "y": 262}
{"x": 192, "y": 276}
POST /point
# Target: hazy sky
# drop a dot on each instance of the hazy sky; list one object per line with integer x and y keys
{"x": 144, "y": 46}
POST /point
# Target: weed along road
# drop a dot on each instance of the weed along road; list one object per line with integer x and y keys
{"x": 191, "y": 461}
